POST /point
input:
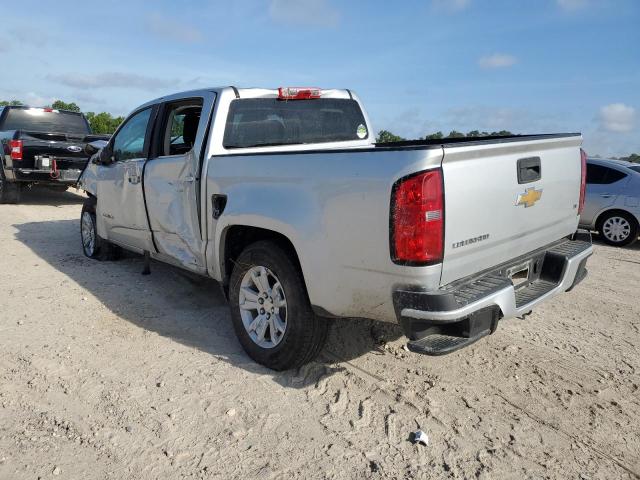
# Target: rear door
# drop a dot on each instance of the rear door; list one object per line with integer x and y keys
{"x": 121, "y": 208}
{"x": 603, "y": 188}
{"x": 172, "y": 180}
{"x": 507, "y": 198}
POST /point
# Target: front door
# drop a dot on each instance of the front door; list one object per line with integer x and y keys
{"x": 172, "y": 183}
{"x": 120, "y": 197}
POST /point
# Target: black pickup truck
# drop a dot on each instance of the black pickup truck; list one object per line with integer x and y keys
{"x": 41, "y": 146}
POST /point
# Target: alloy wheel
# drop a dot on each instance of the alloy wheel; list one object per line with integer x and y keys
{"x": 88, "y": 233}
{"x": 263, "y": 307}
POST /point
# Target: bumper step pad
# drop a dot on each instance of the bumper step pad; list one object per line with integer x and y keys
{"x": 439, "y": 344}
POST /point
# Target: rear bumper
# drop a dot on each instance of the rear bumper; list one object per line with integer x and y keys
{"x": 65, "y": 176}
{"x": 470, "y": 308}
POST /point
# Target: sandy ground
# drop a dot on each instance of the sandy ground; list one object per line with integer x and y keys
{"x": 105, "y": 373}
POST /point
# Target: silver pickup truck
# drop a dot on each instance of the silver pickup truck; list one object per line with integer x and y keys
{"x": 284, "y": 198}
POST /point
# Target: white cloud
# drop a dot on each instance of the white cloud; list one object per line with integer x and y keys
{"x": 497, "y": 60}
{"x": 571, "y": 5}
{"x": 451, "y": 5}
{"x": 318, "y": 13}
{"x": 617, "y": 117}
{"x": 111, "y": 80}
{"x": 170, "y": 29}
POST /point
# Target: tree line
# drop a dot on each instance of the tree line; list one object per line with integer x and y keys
{"x": 102, "y": 122}
{"x": 385, "y": 136}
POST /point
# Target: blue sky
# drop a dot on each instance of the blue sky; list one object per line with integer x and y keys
{"x": 530, "y": 66}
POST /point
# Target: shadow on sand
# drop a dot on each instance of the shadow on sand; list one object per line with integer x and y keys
{"x": 39, "y": 195}
{"x": 186, "y": 308}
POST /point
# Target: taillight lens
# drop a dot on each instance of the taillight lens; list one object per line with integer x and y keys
{"x": 16, "y": 149}
{"x": 417, "y": 219}
{"x": 583, "y": 180}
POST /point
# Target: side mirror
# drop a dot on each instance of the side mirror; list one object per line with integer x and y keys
{"x": 94, "y": 147}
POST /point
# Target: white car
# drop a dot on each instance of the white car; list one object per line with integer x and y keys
{"x": 612, "y": 205}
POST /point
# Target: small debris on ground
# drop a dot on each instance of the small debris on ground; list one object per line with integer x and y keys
{"x": 420, "y": 437}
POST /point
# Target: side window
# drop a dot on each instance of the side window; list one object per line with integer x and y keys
{"x": 129, "y": 141}
{"x": 614, "y": 175}
{"x": 596, "y": 174}
{"x": 180, "y": 127}
{"x": 599, "y": 175}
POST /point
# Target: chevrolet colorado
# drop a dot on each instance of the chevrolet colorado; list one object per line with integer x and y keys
{"x": 284, "y": 198}
{"x": 41, "y": 146}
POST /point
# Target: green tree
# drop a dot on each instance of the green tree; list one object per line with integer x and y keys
{"x": 634, "y": 157}
{"x": 385, "y": 136}
{"x": 501, "y": 133}
{"x": 103, "y": 122}
{"x": 60, "y": 105}
{"x": 455, "y": 134}
{"x": 434, "y": 136}
{"x": 5, "y": 103}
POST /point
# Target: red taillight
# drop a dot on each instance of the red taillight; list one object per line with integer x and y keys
{"x": 583, "y": 180}
{"x": 16, "y": 149}
{"x": 417, "y": 219}
{"x": 298, "y": 93}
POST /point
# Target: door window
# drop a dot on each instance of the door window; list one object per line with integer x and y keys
{"x": 130, "y": 140}
{"x": 180, "y": 127}
{"x": 599, "y": 175}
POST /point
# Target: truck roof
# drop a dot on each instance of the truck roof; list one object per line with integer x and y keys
{"x": 246, "y": 92}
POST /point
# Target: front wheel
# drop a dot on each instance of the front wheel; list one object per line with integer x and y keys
{"x": 270, "y": 310}
{"x": 618, "y": 229}
{"x": 93, "y": 245}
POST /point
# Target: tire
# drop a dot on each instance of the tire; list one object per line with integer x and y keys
{"x": 9, "y": 191}
{"x": 94, "y": 246}
{"x": 618, "y": 229}
{"x": 304, "y": 333}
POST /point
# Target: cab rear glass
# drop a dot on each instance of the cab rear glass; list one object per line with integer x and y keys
{"x": 256, "y": 122}
{"x": 39, "y": 120}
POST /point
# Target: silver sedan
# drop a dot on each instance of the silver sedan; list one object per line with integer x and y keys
{"x": 612, "y": 205}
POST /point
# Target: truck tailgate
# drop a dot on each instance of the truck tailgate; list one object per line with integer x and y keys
{"x": 492, "y": 215}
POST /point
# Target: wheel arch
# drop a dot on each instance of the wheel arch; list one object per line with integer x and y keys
{"x": 235, "y": 238}
{"x": 602, "y": 215}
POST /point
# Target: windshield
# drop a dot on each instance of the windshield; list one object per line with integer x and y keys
{"x": 255, "y": 122}
{"x": 39, "y": 120}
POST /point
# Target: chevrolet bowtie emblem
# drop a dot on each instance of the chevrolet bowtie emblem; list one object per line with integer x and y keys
{"x": 529, "y": 197}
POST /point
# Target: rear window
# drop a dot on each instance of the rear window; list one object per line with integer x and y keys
{"x": 636, "y": 168}
{"x": 38, "y": 120}
{"x": 256, "y": 122}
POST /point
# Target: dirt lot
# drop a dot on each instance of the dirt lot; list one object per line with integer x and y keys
{"x": 105, "y": 373}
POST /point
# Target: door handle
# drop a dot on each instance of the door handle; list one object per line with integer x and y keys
{"x": 606, "y": 195}
{"x": 189, "y": 178}
{"x": 529, "y": 169}
{"x": 134, "y": 179}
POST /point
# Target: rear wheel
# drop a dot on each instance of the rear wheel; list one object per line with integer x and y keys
{"x": 9, "y": 191}
{"x": 618, "y": 228}
{"x": 270, "y": 310}
{"x": 93, "y": 245}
